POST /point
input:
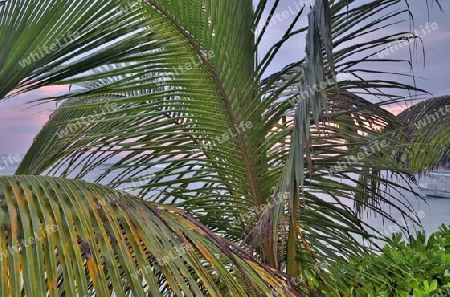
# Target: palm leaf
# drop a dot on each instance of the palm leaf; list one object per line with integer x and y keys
{"x": 44, "y": 42}
{"x": 63, "y": 237}
{"x": 372, "y": 191}
{"x": 179, "y": 105}
{"x": 167, "y": 121}
{"x": 428, "y": 131}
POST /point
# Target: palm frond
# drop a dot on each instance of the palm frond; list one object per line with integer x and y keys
{"x": 44, "y": 42}
{"x": 300, "y": 84}
{"x": 202, "y": 124}
{"x": 428, "y": 130}
{"x": 63, "y": 237}
{"x": 176, "y": 129}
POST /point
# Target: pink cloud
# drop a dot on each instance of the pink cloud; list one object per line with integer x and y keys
{"x": 397, "y": 108}
{"x": 20, "y": 120}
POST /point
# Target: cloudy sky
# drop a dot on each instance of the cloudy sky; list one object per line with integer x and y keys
{"x": 20, "y": 122}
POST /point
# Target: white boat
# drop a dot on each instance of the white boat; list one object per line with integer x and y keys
{"x": 436, "y": 183}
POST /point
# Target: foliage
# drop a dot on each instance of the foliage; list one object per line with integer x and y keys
{"x": 414, "y": 267}
{"x": 428, "y": 132}
{"x": 185, "y": 77}
{"x": 109, "y": 243}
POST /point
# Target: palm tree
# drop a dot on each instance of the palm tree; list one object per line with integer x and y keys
{"x": 428, "y": 132}
{"x": 236, "y": 175}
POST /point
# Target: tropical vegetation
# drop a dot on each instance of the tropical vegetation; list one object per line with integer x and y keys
{"x": 176, "y": 165}
{"x": 416, "y": 267}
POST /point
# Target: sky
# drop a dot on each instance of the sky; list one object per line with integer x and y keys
{"x": 20, "y": 121}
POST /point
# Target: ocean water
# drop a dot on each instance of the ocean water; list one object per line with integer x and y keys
{"x": 431, "y": 211}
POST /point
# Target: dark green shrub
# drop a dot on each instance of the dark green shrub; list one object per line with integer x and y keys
{"x": 415, "y": 267}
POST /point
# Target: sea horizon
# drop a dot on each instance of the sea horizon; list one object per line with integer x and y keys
{"x": 432, "y": 211}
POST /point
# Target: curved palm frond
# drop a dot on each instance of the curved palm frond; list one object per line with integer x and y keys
{"x": 339, "y": 35}
{"x": 44, "y": 42}
{"x": 162, "y": 124}
{"x": 87, "y": 127}
{"x": 428, "y": 131}
{"x": 177, "y": 128}
{"x": 63, "y": 237}
{"x": 167, "y": 110}
{"x": 351, "y": 154}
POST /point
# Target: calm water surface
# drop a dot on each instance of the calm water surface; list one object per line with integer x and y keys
{"x": 434, "y": 211}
